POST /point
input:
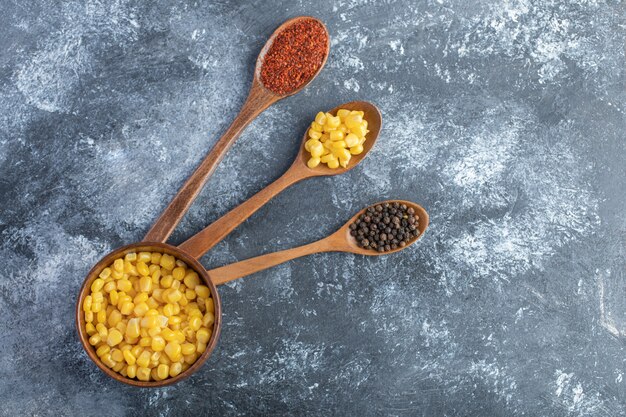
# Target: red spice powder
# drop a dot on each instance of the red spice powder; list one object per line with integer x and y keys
{"x": 294, "y": 57}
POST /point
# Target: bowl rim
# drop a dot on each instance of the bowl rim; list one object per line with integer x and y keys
{"x": 147, "y": 247}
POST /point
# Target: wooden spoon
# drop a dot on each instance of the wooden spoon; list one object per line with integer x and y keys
{"x": 340, "y": 241}
{"x": 214, "y": 233}
{"x": 259, "y": 99}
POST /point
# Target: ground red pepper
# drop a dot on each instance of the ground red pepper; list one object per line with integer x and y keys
{"x": 295, "y": 56}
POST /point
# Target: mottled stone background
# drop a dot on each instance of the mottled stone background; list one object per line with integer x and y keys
{"x": 504, "y": 119}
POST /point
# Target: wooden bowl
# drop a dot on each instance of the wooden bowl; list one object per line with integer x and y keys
{"x": 147, "y": 247}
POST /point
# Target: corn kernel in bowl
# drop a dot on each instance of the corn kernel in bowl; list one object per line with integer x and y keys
{"x": 333, "y": 139}
{"x": 148, "y": 316}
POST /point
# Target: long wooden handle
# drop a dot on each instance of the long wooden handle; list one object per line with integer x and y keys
{"x": 258, "y": 100}
{"x": 241, "y": 269}
{"x": 211, "y": 235}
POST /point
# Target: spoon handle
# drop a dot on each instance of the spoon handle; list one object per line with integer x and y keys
{"x": 241, "y": 269}
{"x": 258, "y": 100}
{"x": 211, "y": 235}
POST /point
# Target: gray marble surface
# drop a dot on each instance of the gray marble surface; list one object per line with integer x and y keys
{"x": 504, "y": 119}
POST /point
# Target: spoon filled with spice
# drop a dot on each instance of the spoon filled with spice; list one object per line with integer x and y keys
{"x": 383, "y": 228}
{"x": 291, "y": 58}
{"x": 336, "y": 142}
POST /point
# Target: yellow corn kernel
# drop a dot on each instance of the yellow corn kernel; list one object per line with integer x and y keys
{"x": 317, "y": 149}
{"x": 353, "y": 121}
{"x": 317, "y": 127}
{"x": 149, "y": 322}
{"x": 342, "y": 113}
{"x": 124, "y": 285}
{"x": 119, "y": 366}
{"x": 190, "y": 335}
{"x": 143, "y": 269}
{"x": 103, "y": 350}
{"x": 127, "y": 308}
{"x": 185, "y": 366}
{"x": 129, "y": 357}
{"x": 95, "y": 339}
{"x": 175, "y": 284}
{"x": 332, "y": 121}
{"x": 106, "y": 272}
{"x": 174, "y": 321}
{"x": 314, "y": 134}
{"x": 143, "y": 360}
{"x": 195, "y": 323}
{"x": 344, "y": 162}
{"x": 168, "y": 334}
{"x": 118, "y": 274}
{"x": 155, "y": 258}
{"x": 202, "y": 291}
{"x": 89, "y": 317}
{"x": 87, "y": 303}
{"x": 320, "y": 118}
{"x": 351, "y": 140}
{"x": 140, "y": 309}
{"x": 168, "y": 310}
{"x": 107, "y": 360}
{"x": 90, "y": 329}
{"x": 155, "y": 331}
{"x": 163, "y": 371}
{"x": 101, "y": 316}
{"x": 325, "y": 137}
{"x": 114, "y": 318}
{"x": 131, "y": 370}
{"x": 356, "y": 150}
{"x": 208, "y": 319}
{"x": 114, "y": 337}
{"x": 187, "y": 348}
{"x": 154, "y": 359}
{"x": 145, "y": 341}
{"x": 190, "y": 294}
{"x": 189, "y": 359}
{"x": 145, "y": 257}
{"x": 333, "y": 163}
{"x": 97, "y": 284}
{"x": 130, "y": 269}
{"x": 179, "y": 336}
{"x": 336, "y": 135}
{"x": 200, "y": 347}
{"x": 136, "y": 351}
{"x": 158, "y": 343}
{"x": 191, "y": 279}
{"x": 130, "y": 257}
{"x": 117, "y": 355}
{"x": 118, "y": 265}
{"x": 341, "y": 153}
{"x": 143, "y": 373}
{"x": 173, "y": 351}
{"x": 109, "y": 286}
{"x": 327, "y": 158}
{"x": 176, "y": 369}
{"x": 179, "y": 273}
{"x": 142, "y": 297}
{"x": 339, "y": 145}
{"x": 167, "y": 261}
{"x": 182, "y": 302}
{"x": 203, "y": 335}
{"x": 133, "y": 328}
{"x": 157, "y": 294}
{"x": 152, "y": 303}
{"x": 166, "y": 281}
{"x": 173, "y": 296}
{"x": 209, "y": 305}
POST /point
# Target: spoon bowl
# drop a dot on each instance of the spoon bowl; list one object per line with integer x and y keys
{"x": 270, "y": 41}
{"x": 374, "y": 124}
{"x": 351, "y": 245}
